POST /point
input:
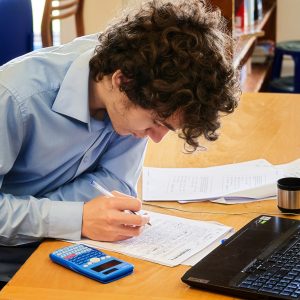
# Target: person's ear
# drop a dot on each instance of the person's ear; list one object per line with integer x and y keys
{"x": 117, "y": 79}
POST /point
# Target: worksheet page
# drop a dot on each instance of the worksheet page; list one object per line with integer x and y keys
{"x": 266, "y": 191}
{"x": 169, "y": 240}
{"x": 181, "y": 184}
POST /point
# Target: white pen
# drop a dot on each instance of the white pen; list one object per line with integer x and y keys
{"x": 101, "y": 189}
{"x": 105, "y": 192}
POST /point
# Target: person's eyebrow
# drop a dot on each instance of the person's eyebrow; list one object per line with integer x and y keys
{"x": 164, "y": 123}
{"x": 168, "y": 126}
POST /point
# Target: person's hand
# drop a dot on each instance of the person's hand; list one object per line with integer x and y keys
{"x": 105, "y": 218}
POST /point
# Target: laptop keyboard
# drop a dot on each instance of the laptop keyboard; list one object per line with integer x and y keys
{"x": 279, "y": 273}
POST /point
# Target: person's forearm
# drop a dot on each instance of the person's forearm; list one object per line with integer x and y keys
{"x": 28, "y": 219}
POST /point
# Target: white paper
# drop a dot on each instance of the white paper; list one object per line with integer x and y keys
{"x": 200, "y": 255}
{"x": 195, "y": 184}
{"x": 291, "y": 169}
{"x": 266, "y": 192}
{"x": 169, "y": 241}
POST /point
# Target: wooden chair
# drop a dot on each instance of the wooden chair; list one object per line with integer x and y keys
{"x": 65, "y": 9}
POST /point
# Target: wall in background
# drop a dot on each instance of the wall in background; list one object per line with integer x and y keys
{"x": 288, "y": 20}
{"x": 96, "y": 16}
{"x": 103, "y": 12}
{"x": 288, "y": 28}
{"x": 98, "y": 13}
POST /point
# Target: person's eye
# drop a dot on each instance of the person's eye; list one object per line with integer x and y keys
{"x": 156, "y": 123}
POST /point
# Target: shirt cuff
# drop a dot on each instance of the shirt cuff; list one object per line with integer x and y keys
{"x": 65, "y": 220}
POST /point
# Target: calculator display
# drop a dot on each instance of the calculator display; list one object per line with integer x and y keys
{"x": 105, "y": 266}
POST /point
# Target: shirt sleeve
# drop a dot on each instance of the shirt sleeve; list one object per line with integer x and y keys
{"x": 25, "y": 219}
{"x": 119, "y": 168}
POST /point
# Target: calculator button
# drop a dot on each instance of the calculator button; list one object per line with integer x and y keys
{"x": 99, "y": 254}
{"x": 81, "y": 261}
{"x": 95, "y": 259}
{"x": 70, "y": 256}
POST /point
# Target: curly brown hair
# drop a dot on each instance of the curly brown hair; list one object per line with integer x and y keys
{"x": 176, "y": 56}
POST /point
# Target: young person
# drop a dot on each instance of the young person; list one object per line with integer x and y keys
{"x": 85, "y": 110}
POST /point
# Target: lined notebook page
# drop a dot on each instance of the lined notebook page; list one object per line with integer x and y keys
{"x": 169, "y": 241}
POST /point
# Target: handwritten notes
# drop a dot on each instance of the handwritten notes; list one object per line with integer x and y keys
{"x": 169, "y": 241}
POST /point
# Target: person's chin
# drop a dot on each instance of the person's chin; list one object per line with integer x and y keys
{"x": 129, "y": 133}
{"x": 122, "y": 132}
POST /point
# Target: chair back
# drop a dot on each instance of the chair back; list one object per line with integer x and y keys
{"x": 64, "y": 9}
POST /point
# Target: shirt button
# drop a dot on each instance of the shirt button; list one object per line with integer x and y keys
{"x": 85, "y": 159}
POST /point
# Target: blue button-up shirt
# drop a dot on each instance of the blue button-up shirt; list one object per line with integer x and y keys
{"x": 51, "y": 148}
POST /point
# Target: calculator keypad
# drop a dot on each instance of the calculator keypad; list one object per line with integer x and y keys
{"x": 79, "y": 254}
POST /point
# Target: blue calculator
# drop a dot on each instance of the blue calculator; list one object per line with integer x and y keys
{"x": 92, "y": 263}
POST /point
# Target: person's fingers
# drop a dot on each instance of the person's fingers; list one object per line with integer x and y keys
{"x": 128, "y": 218}
{"x": 121, "y": 238}
{"x": 119, "y": 194}
{"x": 129, "y": 231}
{"x": 110, "y": 219}
{"x": 125, "y": 203}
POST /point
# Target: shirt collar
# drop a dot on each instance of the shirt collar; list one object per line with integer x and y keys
{"x": 72, "y": 97}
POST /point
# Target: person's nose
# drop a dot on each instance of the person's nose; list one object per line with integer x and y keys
{"x": 157, "y": 134}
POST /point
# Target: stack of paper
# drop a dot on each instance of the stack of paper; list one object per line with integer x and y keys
{"x": 170, "y": 240}
{"x": 233, "y": 183}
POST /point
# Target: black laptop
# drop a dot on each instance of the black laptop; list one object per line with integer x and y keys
{"x": 260, "y": 261}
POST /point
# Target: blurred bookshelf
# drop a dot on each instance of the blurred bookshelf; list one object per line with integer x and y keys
{"x": 257, "y": 28}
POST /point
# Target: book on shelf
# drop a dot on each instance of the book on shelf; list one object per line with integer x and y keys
{"x": 241, "y": 19}
{"x": 247, "y": 13}
{"x": 250, "y": 12}
{"x": 263, "y": 51}
{"x": 258, "y": 10}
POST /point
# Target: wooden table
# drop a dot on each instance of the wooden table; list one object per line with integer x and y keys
{"x": 264, "y": 126}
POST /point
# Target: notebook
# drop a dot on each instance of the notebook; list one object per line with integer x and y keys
{"x": 260, "y": 261}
